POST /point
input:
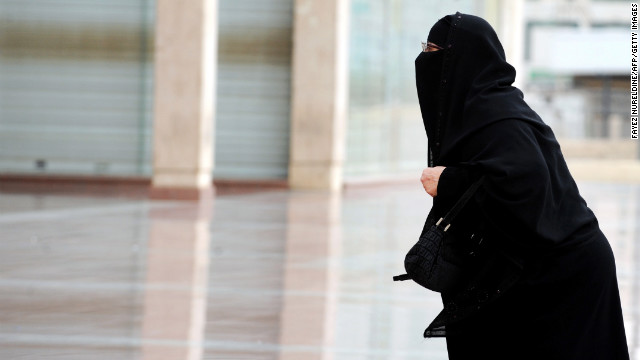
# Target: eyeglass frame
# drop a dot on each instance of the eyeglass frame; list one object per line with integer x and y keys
{"x": 429, "y": 45}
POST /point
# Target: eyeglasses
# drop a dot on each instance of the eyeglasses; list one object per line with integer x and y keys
{"x": 429, "y": 46}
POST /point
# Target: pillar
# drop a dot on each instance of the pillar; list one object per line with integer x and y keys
{"x": 319, "y": 94}
{"x": 185, "y": 71}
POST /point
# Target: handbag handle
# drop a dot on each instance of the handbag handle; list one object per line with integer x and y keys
{"x": 448, "y": 218}
{"x": 451, "y": 215}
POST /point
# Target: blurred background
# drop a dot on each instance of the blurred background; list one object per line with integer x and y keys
{"x": 76, "y": 96}
{"x": 114, "y": 111}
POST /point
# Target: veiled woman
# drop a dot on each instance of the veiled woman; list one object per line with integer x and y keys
{"x": 565, "y": 302}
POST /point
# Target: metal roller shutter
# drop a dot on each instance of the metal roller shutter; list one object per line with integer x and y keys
{"x": 75, "y": 86}
{"x": 254, "y": 74}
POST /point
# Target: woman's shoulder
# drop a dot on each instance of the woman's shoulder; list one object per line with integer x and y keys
{"x": 515, "y": 128}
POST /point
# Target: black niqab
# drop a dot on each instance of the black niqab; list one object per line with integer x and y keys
{"x": 474, "y": 84}
{"x": 475, "y": 118}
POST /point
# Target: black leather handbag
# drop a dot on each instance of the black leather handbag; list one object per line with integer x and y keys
{"x": 425, "y": 262}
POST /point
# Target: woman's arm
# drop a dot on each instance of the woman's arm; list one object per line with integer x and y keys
{"x": 447, "y": 182}
{"x": 446, "y": 185}
{"x": 528, "y": 193}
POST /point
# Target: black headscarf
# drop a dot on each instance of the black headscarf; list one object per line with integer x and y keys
{"x": 475, "y": 119}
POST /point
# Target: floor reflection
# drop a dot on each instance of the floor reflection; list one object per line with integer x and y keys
{"x": 175, "y": 293}
{"x": 275, "y": 275}
{"x": 307, "y": 320}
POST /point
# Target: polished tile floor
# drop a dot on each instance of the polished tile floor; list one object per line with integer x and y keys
{"x": 290, "y": 275}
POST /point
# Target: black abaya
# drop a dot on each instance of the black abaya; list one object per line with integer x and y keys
{"x": 566, "y": 303}
{"x": 565, "y": 307}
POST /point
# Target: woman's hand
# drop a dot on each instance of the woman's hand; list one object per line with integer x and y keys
{"x": 429, "y": 179}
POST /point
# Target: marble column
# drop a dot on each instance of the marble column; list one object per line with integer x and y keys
{"x": 319, "y": 94}
{"x": 185, "y": 71}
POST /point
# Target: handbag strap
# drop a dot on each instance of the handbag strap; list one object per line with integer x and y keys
{"x": 448, "y": 218}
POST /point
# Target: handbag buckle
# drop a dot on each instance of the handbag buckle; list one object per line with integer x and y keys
{"x": 446, "y": 227}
